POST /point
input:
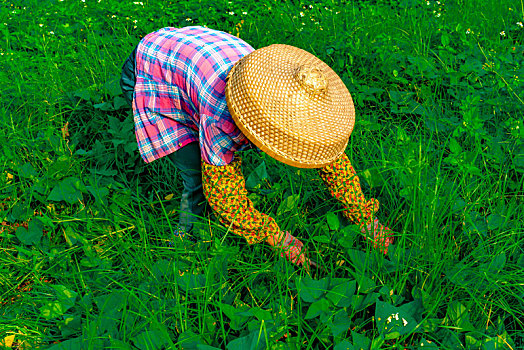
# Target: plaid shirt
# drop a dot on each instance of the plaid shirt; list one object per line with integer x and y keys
{"x": 179, "y": 94}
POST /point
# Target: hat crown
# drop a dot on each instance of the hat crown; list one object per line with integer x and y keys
{"x": 311, "y": 79}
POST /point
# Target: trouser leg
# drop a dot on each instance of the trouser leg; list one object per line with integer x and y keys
{"x": 128, "y": 79}
{"x": 193, "y": 202}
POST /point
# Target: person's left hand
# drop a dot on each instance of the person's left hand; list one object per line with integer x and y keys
{"x": 381, "y": 235}
{"x": 290, "y": 248}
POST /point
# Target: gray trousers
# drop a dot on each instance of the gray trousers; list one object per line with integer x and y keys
{"x": 186, "y": 160}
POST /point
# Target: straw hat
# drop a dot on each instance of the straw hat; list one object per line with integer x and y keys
{"x": 291, "y": 105}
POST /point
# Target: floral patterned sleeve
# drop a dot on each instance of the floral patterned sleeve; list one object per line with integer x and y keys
{"x": 344, "y": 185}
{"x": 225, "y": 190}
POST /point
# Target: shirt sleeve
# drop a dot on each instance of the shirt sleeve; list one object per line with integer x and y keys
{"x": 225, "y": 190}
{"x": 344, "y": 185}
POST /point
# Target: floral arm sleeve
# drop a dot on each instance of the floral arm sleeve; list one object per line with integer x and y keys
{"x": 344, "y": 185}
{"x": 225, "y": 190}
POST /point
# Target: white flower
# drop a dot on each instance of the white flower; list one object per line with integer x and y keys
{"x": 135, "y": 21}
{"x": 437, "y": 15}
{"x": 244, "y": 12}
{"x": 468, "y": 31}
{"x": 41, "y": 25}
{"x": 404, "y": 322}
{"x": 231, "y": 13}
{"x": 52, "y": 33}
{"x": 301, "y": 14}
{"x": 113, "y": 16}
{"x": 503, "y": 33}
{"x": 428, "y": 3}
{"x": 83, "y": 0}
{"x": 438, "y": 2}
{"x": 310, "y": 6}
{"x": 520, "y": 24}
{"x": 188, "y": 19}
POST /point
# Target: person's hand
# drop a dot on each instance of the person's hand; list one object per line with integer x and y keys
{"x": 290, "y": 248}
{"x": 381, "y": 235}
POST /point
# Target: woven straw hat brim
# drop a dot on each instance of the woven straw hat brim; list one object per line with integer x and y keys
{"x": 291, "y": 105}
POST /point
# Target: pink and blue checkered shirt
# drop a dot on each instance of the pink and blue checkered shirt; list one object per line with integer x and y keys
{"x": 179, "y": 94}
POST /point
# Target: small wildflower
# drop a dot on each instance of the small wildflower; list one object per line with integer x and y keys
{"x": 303, "y": 24}
{"x": 188, "y": 19}
{"x": 244, "y": 12}
{"x": 52, "y": 33}
{"x": 301, "y": 14}
{"x": 231, "y": 13}
{"x": 41, "y": 25}
{"x": 438, "y": 2}
{"x": 437, "y": 15}
{"x": 428, "y": 3}
{"x": 468, "y": 31}
{"x": 83, "y": 0}
{"x": 520, "y": 24}
{"x": 310, "y": 6}
{"x": 404, "y": 322}
{"x": 135, "y": 21}
{"x": 113, "y": 16}
{"x": 503, "y": 33}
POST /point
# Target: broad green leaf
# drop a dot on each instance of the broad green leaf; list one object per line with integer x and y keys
{"x": 362, "y": 301}
{"x": 317, "y": 308}
{"x": 392, "y": 321}
{"x": 288, "y": 204}
{"x": 112, "y": 86}
{"x": 333, "y": 221}
{"x": 65, "y": 296}
{"x": 257, "y": 176}
{"x": 235, "y": 315}
{"x": 344, "y": 345}
{"x": 67, "y": 190}
{"x": 52, "y": 310}
{"x": 311, "y": 290}
{"x": 360, "y": 341}
{"x": 340, "y": 323}
{"x": 457, "y": 315}
{"x": 32, "y": 235}
{"x": 498, "y": 263}
{"x": 72, "y": 237}
{"x": 340, "y": 295}
{"x": 153, "y": 339}
{"x": 495, "y": 221}
{"x": 255, "y": 340}
{"x": 27, "y": 171}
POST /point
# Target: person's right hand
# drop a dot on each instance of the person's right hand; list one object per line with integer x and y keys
{"x": 290, "y": 248}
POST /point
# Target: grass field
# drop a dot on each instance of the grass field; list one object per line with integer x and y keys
{"x": 84, "y": 256}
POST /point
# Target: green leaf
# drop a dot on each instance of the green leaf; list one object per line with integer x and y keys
{"x": 255, "y": 340}
{"x": 72, "y": 237}
{"x": 112, "y": 86}
{"x": 152, "y": 339}
{"x": 454, "y": 146}
{"x": 65, "y": 296}
{"x": 392, "y": 321}
{"x": 344, "y": 345}
{"x": 373, "y": 177}
{"x": 340, "y": 324}
{"x": 52, "y": 310}
{"x": 318, "y": 307}
{"x": 67, "y": 190}
{"x": 32, "y": 235}
{"x": 360, "y": 341}
{"x": 495, "y": 221}
{"x": 498, "y": 263}
{"x": 257, "y": 176}
{"x": 238, "y": 319}
{"x": 333, "y": 221}
{"x": 457, "y": 315}
{"x": 27, "y": 171}
{"x": 311, "y": 290}
{"x": 340, "y": 295}
{"x": 289, "y": 204}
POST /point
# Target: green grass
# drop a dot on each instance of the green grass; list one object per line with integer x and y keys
{"x": 84, "y": 254}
